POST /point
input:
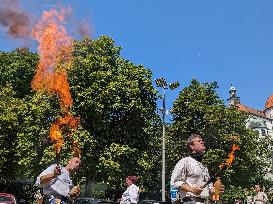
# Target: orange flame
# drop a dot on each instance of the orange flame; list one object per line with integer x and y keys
{"x": 57, "y": 127}
{"x": 55, "y": 48}
{"x": 55, "y": 51}
{"x": 229, "y": 161}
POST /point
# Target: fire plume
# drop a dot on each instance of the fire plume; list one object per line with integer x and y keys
{"x": 55, "y": 51}
{"x": 54, "y": 48}
{"x": 229, "y": 161}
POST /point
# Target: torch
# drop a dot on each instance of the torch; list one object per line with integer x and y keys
{"x": 225, "y": 165}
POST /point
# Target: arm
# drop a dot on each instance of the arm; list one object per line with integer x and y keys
{"x": 187, "y": 188}
{"x": 48, "y": 175}
{"x": 125, "y": 197}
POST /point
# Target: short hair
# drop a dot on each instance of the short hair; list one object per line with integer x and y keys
{"x": 132, "y": 178}
{"x": 190, "y": 139}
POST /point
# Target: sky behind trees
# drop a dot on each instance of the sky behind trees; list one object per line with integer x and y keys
{"x": 212, "y": 40}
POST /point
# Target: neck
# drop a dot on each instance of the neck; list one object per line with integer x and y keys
{"x": 197, "y": 157}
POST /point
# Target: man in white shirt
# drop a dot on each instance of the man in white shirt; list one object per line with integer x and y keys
{"x": 260, "y": 197}
{"x": 190, "y": 174}
{"x": 57, "y": 184}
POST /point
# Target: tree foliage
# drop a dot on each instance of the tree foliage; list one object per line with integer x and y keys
{"x": 114, "y": 99}
{"x": 116, "y": 102}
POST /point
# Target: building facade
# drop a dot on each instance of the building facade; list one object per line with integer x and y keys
{"x": 259, "y": 120}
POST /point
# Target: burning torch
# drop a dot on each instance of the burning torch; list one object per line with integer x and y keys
{"x": 225, "y": 165}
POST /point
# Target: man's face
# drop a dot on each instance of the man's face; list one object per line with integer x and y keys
{"x": 257, "y": 188}
{"x": 74, "y": 163}
{"x": 198, "y": 146}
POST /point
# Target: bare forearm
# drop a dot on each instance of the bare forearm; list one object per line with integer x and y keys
{"x": 188, "y": 188}
{"x": 47, "y": 178}
{"x": 185, "y": 188}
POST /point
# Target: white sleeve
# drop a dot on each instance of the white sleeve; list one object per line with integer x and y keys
{"x": 49, "y": 170}
{"x": 179, "y": 174}
{"x": 125, "y": 198}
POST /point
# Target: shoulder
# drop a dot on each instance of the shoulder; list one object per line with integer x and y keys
{"x": 51, "y": 167}
{"x": 185, "y": 160}
{"x": 184, "y": 163}
{"x": 133, "y": 186}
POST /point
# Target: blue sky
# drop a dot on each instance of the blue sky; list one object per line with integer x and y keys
{"x": 208, "y": 40}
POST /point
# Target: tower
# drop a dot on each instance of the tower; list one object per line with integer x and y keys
{"x": 233, "y": 99}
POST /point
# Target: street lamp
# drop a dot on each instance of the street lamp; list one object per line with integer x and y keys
{"x": 161, "y": 82}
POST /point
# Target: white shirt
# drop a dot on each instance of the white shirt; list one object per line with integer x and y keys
{"x": 191, "y": 172}
{"x": 131, "y": 195}
{"x": 260, "y": 196}
{"x": 60, "y": 185}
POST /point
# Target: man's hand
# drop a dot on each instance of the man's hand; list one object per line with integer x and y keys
{"x": 188, "y": 188}
{"x": 75, "y": 192}
{"x": 196, "y": 190}
{"x": 222, "y": 189}
{"x": 57, "y": 171}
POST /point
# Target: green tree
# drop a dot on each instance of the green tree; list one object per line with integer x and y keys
{"x": 198, "y": 109}
{"x": 115, "y": 101}
{"x": 117, "y": 105}
{"x": 17, "y": 69}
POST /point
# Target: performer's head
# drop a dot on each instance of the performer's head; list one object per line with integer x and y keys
{"x": 73, "y": 164}
{"x": 196, "y": 144}
{"x": 131, "y": 180}
{"x": 257, "y": 188}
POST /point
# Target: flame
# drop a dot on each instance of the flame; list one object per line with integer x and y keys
{"x": 55, "y": 47}
{"x": 57, "y": 128}
{"x": 229, "y": 161}
{"x": 55, "y": 51}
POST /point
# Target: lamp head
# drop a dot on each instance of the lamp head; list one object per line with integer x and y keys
{"x": 161, "y": 82}
{"x": 174, "y": 85}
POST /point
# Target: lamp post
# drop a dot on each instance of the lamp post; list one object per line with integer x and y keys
{"x": 161, "y": 82}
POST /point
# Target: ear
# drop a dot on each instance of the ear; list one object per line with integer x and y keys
{"x": 191, "y": 147}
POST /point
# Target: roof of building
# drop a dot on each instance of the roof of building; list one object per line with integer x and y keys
{"x": 269, "y": 102}
{"x": 251, "y": 110}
